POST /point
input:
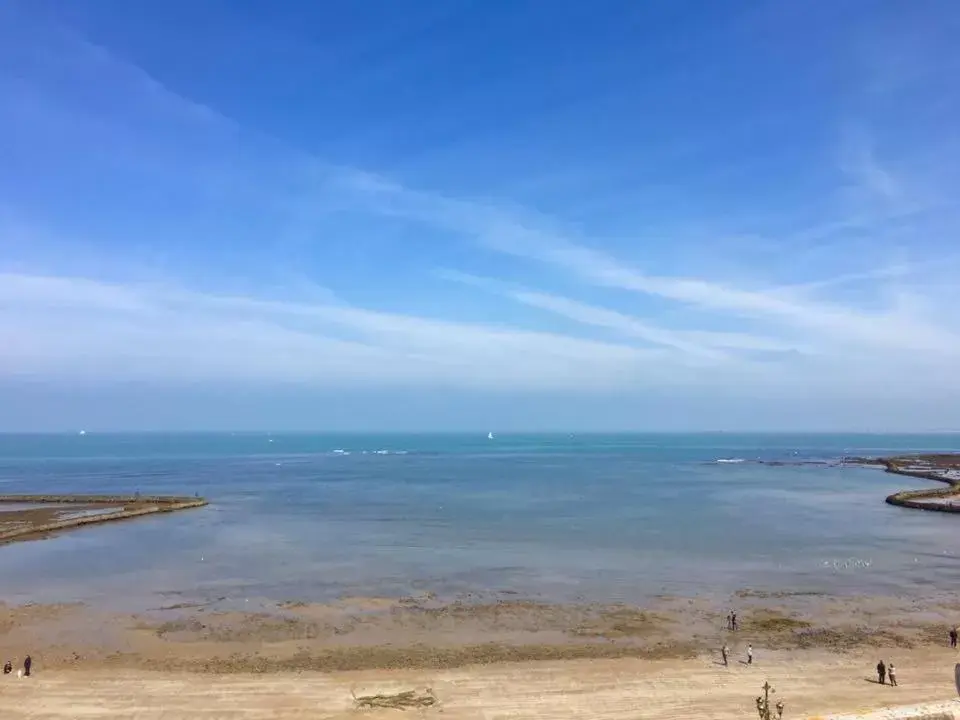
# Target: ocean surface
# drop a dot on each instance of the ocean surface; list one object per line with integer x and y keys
{"x": 600, "y": 518}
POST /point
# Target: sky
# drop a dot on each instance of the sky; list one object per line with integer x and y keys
{"x": 479, "y": 214}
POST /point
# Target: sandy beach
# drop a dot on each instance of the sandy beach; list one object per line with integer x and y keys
{"x": 478, "y": 658}
{"x": 811, "y": 683}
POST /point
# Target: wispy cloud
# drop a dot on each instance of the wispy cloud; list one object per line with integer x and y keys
{"x": 76, "y": 328}
{"x": 873, "y": 189}
{"x": 836, "y": 323}
{"x": 696, "y": 345}
{"x": 831, "y": 323}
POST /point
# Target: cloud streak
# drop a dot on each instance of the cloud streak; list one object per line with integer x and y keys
{"x": 831, "y": 323}
{"x": 76, "y": 328}
{"x": 700, "y": 344}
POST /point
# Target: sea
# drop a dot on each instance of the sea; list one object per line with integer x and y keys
{"x": 559, "y": 518}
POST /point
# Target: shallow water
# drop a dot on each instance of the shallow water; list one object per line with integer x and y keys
{"x": 602, "y": 518}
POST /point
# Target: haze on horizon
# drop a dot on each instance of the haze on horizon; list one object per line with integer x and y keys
{"x": 451, "y": 215}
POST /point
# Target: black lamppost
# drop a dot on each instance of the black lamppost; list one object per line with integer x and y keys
{"x": 763, "y": 704}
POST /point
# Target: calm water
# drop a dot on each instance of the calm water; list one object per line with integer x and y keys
{"x": 597, "y": 517}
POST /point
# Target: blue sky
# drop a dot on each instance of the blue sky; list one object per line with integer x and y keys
{"x": 461, "y": 214}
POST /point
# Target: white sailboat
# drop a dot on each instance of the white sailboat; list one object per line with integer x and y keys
{"x": 489, "y": 436}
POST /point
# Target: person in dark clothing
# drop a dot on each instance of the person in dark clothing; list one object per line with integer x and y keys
{"x": 7, "y": 668}
{"x": 881, "y": 673}
{"x": 27, "y": 664}
{"x": 953, "y": 637}
{"x": 733, "y": 620}
{"x": 723, "y": 654}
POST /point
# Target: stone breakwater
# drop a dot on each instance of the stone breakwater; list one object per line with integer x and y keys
{"x": 37, "y": 516}
{"x": 941, "y": 467}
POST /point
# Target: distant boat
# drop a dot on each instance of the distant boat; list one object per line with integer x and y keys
{"x": 83, "y": 432}
{"x": 489, "y": 436}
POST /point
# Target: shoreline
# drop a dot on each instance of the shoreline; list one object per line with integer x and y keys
{"x": 40, "y": 522}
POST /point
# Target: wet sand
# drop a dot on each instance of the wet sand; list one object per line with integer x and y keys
{"x": 482, "y": 658}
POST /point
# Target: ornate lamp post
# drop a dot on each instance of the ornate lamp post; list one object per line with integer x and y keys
{"x": 763, "y": 704}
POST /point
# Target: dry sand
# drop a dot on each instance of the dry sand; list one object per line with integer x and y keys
{"x": 811, "y": 683}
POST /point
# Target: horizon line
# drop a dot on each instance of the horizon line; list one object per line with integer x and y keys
{"x": 266, "y": 432}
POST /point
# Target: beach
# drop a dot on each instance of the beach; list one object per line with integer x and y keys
{"x": 811, "y": 684}
{"x": 479, "y": 658}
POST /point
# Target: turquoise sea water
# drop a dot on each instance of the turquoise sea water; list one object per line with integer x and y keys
{"x": 560, "y": 517}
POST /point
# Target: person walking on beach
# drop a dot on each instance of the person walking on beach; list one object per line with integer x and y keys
{"x": 7, "y": 667}
{"x": 749, "y": 654}
{"x": 27, "y": 664}
{"x": 733, "y": 620}
{"x": 953, "y": 637}
{"x": 892, "y": 674}
{"x": 723, "y": 654}
{"x": 881, "y": 673}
